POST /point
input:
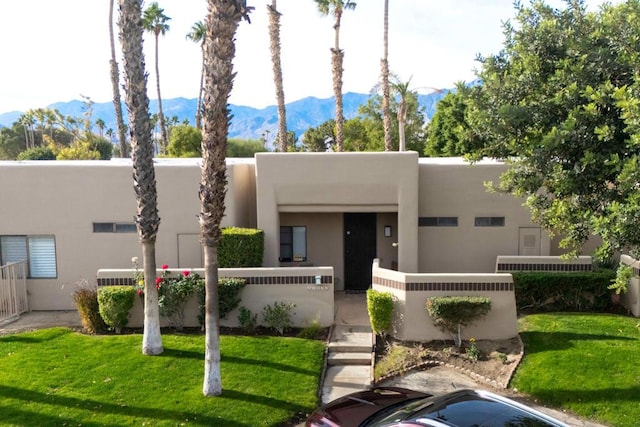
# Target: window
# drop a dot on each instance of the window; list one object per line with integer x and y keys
{"x": 489, "y": 221}
{"x": 114, "y": 227}
{"x": 293, "y": 243}
{"x": 38, "y": 251}
{"x": 438, "y": 221}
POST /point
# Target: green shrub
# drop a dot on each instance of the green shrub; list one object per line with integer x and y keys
{"x": 312, "y": 332}
{"x": 228, "y": 296}
{"x": 452, "y": 313}
{"x": 115, "y": 302}
{"x": 86, "y": 300}
{"x": 37, "y": 153}
{"x": 380, "y": 309}
{"x": 546, "y": 291}
{"x": 278, "y": 316}
{"x": 173, "y": 294}
{"x": 248, "y": 321}
{"x": 624, "y": 273}
{"x": 241, "y": 248}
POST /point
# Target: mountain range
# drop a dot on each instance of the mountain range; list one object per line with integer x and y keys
{"x": 247, "y": 122}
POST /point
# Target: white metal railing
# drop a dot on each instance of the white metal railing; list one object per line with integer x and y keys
{"x": 13, "y": 291}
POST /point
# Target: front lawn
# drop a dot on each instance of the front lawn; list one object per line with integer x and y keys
{"x": 588, "y": 364}
{"x": 57, "y": 377}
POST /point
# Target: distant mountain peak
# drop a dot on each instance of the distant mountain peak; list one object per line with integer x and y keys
{"x": 247, "y": 122}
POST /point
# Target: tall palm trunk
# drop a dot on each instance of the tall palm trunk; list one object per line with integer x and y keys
{"x": 221, "y": 23}
{"x": 337, "y": 57}
{"x": 115, "y": 84}
{"x": 274, "y": 37}
{"x": 386, "y": 109}
{"x": 163, "y": 129}
{"x": 144, "y": 181}
{"x": 200, "y": 92}
{"x": 402, "y": 121}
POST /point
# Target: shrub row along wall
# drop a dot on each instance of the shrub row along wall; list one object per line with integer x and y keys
{"x": 311, "y": 289}
{"x": 413, "y": 323}
{"x": 552, "y": 283}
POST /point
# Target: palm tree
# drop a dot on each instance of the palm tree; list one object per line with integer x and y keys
{"x": 101, "y": 125}
{"x": 197, "y": 34}
{"x": 335, "y": 8}
{"x": 222, "y": 22}
{"x": 274, "y": 38}
{"x": 402, "y": 90}
{"x": 384, "y": 63}
{"x": 144, "y": 180}
{"x": 155, "y": 21}
{"x": 115, "y": 84}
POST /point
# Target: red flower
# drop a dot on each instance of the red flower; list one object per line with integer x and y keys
{"x": 139, "y": 291}
{"x": 185, "y": 273}
{"x": 165, "y": 266}
{"x": 158, "y": 281}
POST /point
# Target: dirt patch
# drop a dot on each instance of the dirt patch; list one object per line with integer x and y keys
{"x": 495, "y": 364}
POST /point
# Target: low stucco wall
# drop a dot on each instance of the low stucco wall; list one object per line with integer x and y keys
{"x": 555, "y": 264}
{"x": 410, "y": 291}
{"x": 309, "y": 288}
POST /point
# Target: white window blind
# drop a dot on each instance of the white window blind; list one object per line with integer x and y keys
{"x": 13, "y": 249}
{"x": 42, "y": 257}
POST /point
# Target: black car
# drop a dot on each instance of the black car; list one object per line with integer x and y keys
{"x": 400, "y": 407}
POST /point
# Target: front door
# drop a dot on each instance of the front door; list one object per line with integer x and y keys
{"x": 359, "y": 250}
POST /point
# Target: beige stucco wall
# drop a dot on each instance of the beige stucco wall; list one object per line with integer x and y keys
{"x": 334, "y": 183}
{"x": 455, "y": 188}
{"x": 411, "y": 321}
{"x": 64, "y": 199}
{"x": 314, "y": 302}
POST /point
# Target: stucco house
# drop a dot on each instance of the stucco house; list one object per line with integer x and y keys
{"x": 414, "y": 215}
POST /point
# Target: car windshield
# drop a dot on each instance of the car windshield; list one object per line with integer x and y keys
{"x": 466, "y": 410}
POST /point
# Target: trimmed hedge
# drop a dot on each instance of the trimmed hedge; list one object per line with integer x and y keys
{"x": 582, "y": 292}
{"x": 380, "y": 309}
{"x": 452, "y": 313}
{"x": 241, "y": 248}
{"x": 115, "y": 302}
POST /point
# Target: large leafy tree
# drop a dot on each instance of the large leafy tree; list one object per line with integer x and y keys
{"x": 450, "y": 133}
{"x": 222, "y": 22}
{"x": 560, "y": 102}
{"x": 274, "y": 45}
{"x": 336, "y": 8}
{"x": 155, "y": 22}
{"x": 144, "y": 180}
{"x": 196, "y": 35}
{"x": 115, "y": 85}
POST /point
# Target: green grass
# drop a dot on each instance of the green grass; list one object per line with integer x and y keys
{"x": 56, "y": 377}
{"x": 588, "y": 364}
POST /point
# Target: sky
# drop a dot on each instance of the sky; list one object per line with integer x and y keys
{"x": 58, "y": 51}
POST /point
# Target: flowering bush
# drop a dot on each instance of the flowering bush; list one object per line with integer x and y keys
{"x": 174, "y": 292}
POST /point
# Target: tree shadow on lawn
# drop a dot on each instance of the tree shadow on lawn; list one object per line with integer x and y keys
{"x": 564, "y": 397}
{"x": 536, "y": 342}
{"x": 25, "y": 337}
{"x": 92, "y": 407}
{"x": 198, "y": 355}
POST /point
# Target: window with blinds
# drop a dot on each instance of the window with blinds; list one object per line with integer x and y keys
{"x": 38, "y": 251}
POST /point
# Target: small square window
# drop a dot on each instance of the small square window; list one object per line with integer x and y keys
{"x": 293, "y": 244}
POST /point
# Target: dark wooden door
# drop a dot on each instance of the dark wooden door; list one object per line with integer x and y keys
{"x": 359, "y": 250}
